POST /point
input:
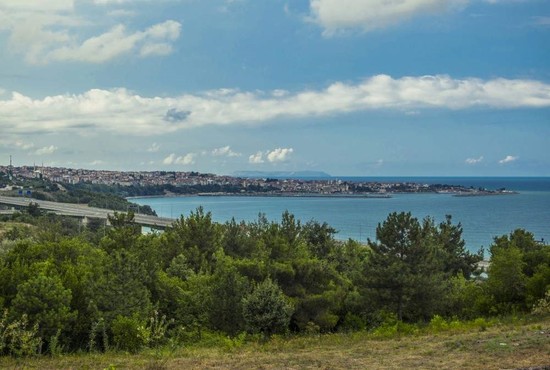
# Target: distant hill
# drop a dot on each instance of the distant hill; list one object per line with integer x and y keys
{"x": 283, "y": 174}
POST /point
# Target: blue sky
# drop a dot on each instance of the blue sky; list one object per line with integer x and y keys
{"x": 349, "y": 87}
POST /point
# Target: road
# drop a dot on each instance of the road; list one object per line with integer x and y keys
{"x": 82, "y": 210}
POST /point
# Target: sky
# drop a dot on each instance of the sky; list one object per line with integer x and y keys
{"x": 348, "y": 87}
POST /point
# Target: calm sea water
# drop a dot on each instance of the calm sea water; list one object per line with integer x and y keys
{"x": 482, "y": 218}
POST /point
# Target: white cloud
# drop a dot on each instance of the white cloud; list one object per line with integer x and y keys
{"x": 46, "y": 31}
{"x": 96, "y": 162}
{"x": 279, "y": 155}
{"x": 225, "y": 152}
{"x": 23, "y": 145}
{"x": 335, "y": 15}
{"x": 107, "y": 2}
{"x": 37, "y": 5}
{"x": 121, "y": 111}
{"x": 474, "y": 160}
{"x": 160, "y": 49}
{"x": 46, "y": 150}
{"x": 256, "y": 158}
{"x": 187, "y": 159}
{"x": 117, "y": 42}
{"x": 153, "y": 148}
{"x": 170, "y": 159}
{"x": 508, "y": 159}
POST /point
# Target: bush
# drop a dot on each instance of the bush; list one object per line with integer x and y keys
{"x": 438, "y": 324}
{"x": 542, "y": 307}
{"x": 17, "y": 338}
{"x": 266, "y": 309}
{"x": 129, "y": 334}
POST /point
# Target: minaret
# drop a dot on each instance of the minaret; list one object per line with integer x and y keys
{"x": 10, "y": 170}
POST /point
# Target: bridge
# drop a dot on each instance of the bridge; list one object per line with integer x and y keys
{"x": 83, "y": 211}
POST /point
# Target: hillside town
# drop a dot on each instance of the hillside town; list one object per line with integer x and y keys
{"x": 223, "y": 184}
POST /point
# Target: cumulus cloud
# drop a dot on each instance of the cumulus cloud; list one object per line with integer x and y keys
{"x": 474, "y": 160}
{"x": 122, "y": 111}
{"x": 187, "y": 159}
{"x": 153, "y": 148}
{"x": 256, "y": 158}
{"x": 46, "y": 150}
{"x": 46, "y": 31}
{"x": 508, "y": 159}
{"x": 118, "y": 41}
{"x": 279, "y": 154}
{"x": 23, "y": 145}
{"x": 335, "y": 15}
{"x": 225, "y": 152}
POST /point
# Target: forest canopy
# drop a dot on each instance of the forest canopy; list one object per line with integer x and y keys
{"x": 97, "y": 287}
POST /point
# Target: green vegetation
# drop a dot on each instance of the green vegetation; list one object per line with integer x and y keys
{"x": 100, "y": 196}
{"x": 247, "y": 286}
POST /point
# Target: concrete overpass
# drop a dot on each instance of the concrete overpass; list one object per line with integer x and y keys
{"x": 83, "y": 211}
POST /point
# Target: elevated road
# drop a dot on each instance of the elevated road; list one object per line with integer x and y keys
{"x": 82, "y": 210}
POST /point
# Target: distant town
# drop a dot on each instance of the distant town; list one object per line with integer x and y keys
{"x": 212, "y": 184}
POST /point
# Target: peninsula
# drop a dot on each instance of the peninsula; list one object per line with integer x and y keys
{"x": 174, "y": 183}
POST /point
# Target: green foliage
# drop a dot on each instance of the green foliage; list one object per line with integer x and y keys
{"x": 157, "y": 328}
{"x": 17, "y": 337}
{"x": 392, "y": 327}
{"x": 121, "y": 290}
{"x": 129, "y": 333}
{"x": 204, "y": 282}
{"x": 266, "y": 309}
{"x": 506, "y": 281}
{"x": 98, "y": 330}
{"x": 196, "y": 237}
{"x": 46, "y": 302}
{"x": 542, "y": 307}
{"x": 402, "y": 273}
{"x": 227, "y": 289}
{"x": 54, "y": 347}
{"x": 34, "y": 209}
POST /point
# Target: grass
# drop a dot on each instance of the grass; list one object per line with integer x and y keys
{"x": 511, "y": 345}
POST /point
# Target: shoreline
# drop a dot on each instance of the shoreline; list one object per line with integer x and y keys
{"x": 314, "y": 195}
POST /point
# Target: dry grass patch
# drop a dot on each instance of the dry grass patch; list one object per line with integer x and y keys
{"x": 508, "y": 346}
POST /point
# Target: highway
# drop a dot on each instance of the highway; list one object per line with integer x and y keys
{"x": 82, "y": 210}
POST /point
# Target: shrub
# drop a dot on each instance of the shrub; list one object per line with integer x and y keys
{"x": 129, "y": 333}
{"x": 17, "y": 338}
{"x": 266, "y": 309}
{"x": 542, "y": 307}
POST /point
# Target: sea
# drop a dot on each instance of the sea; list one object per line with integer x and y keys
{"x": 482, "y": 217}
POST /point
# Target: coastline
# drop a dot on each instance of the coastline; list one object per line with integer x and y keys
{"x": 314, "y": 195}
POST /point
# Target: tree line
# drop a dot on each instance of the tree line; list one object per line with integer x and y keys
{"x": 63, "y": 287}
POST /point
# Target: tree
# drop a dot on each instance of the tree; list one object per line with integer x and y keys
{"x": 123, "y": 234}
{"x": 196, "y": 237}
{"x": 34, "y": 209}
{"x": 506, "y": 280}
{"x": 266, "y": 309}
{"x": 46, "y": 302}
{"x": 519, "y": 250}
{"x": 122, "y": 290}
{"x": 319, "y": 238}
{"x": 403, "y": 276}
{"x": 227, "y": 289}
{"x": 456, "y": 259}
